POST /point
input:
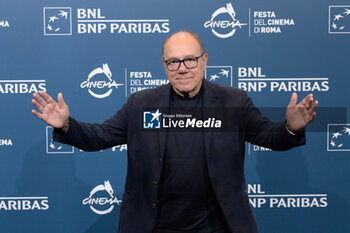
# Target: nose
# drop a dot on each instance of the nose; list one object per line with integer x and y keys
{"x": 182, "y": 67}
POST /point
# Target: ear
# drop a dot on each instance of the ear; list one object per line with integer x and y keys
{"x": 205, "y": 60}
{"x": 163, "y": 62}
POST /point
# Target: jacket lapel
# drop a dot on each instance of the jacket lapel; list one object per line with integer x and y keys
{"x": 209, "y": 110}
{"x": 163, "y": 102}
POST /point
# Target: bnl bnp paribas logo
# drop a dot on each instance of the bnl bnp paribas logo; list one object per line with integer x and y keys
{"x": 339, "y": 19}
{"x": 338, "y": 137}
{"x": 100, "y": 83}
{"x": 55, "y": 147}
{"x": 58, "y": 21}
{"x": 25, "y": 204}
{"x": 101, "y": 199}
{"x": 219, "y": 74}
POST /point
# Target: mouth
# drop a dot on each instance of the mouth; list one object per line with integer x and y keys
{"x": 183, "y": 78}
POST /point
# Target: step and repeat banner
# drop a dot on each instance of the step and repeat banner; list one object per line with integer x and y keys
{"x": 97, "y": 53}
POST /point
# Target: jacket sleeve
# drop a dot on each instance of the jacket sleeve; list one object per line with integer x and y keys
{"x": 94, "y": 137}
{"x": 259, "y": 130}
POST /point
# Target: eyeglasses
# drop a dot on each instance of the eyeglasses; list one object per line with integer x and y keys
{"x": 189, "y": 62}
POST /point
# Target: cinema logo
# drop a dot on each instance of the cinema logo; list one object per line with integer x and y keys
{"x": 24, "y": 203}
{"x": 157, "y": 120}
{"x": 223, "y": 22}
{"x": 259, "y": 199}
{"x": 252, "y": 79}
{"x": 101, "y": 199}
{"x": 4, "y": 24}
{"x": 100, "y": 83}
{"x": 5, "y": 142}
{"x": 22, "y": 86}
{"x": 256, "y": 148}
{"x": 267, "y": 22}
{"x": 140, "y": 80}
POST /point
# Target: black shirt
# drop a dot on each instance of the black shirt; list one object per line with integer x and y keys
{"x": 186, "y": 200}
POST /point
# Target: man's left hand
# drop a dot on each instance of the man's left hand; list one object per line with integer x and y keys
{"x": 298, "y": 116}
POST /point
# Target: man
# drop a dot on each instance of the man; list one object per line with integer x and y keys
{"x": 182, "y": 180}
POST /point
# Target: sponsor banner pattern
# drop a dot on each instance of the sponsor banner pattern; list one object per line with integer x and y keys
{"x": 100, "y": 54}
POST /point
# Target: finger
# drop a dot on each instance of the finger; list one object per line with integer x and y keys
{"x": 293, "y": 100}
{"x": 313, "y": 115}
{"x": 61, "y": 101}
{"x": 309, "y": 100}
{"x": 38, "y": 115}
{"x": 39, "y": 99}
{"x": 306, "y": 101}
{"x": 309, "y": 96}
{"x": 313, "y": 106}
{"x": 37, "y": 105}
{"x": 47, "y": 97}
{"x": 306, "y": 105}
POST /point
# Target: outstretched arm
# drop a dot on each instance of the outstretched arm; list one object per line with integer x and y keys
{"x": 51, "y": 112}
{"x": 298, "y": 116}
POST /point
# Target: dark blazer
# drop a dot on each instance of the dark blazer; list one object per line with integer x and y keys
{"x": 224, "y": 151}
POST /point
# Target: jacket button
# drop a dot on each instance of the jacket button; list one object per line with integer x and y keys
{"x": 155, "y": 182}
{"x": 153, "y": 205}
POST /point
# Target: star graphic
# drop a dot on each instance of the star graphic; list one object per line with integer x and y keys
{"x": 346, "y": 130}
{"x": 57, "y": 29}
{"x": 49, "y": 27}
{"x": 332, "y": 143}
{"x": 337, "y": 17}
{"x": 52, "y": 18}
{"x": 347, "y": 12}
{"x": 52, "y": 146}
{"x": 340, "y": 145}
{"x": 336, "y": 135}
{"x": 63, "y": 14}
{"x": 334, "y": 25}
{"x": 213, "y": 77}
{"x": 224, "y": 72}
{"x": 342, "y": 27}
{"x": 156, "y": 115}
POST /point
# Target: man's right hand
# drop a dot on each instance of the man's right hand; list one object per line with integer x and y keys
{"x": 53, "y": 113}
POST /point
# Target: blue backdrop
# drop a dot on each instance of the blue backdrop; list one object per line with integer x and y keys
{"x": 97, "y": 53}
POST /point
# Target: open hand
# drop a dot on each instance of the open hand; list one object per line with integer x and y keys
{"x": 298, "y": 116}
{"x": 51, "y": 112}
